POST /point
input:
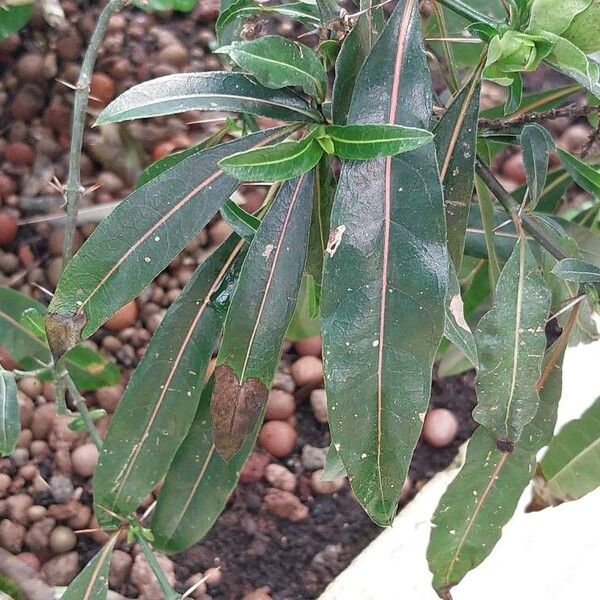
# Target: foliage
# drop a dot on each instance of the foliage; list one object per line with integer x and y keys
{"x": 392, "y": 260}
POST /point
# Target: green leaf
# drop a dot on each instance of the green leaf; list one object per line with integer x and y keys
{"x": 162, "y": 396}
{"x": 570, "y": 466}
{"x": 277, "y": 62}
{"x": 455, "y": 141}
{"x": 334, "y": 467}
{"x": 10, "y": 426}
{"x": 510, "y": 343}
{"x": 12, "y": 18}
{"x": 482, "y": 498}
{"x": 304, "y": 323}
{"x": 385, "y": 277}
{"x": 146, "y": 231}
{"x": 573, "y": 269}
{"x": 355, "y": 48}
{"x": 242, "y": 222}
{"x": 90, "y": 370}
{"x": 220, "y": 91}
{"x": 92, "y": 582}
{"x": 278, "y": 162}
{"x": 584, "y": 175}
{"x": 197, "y": 485}
{"x": 364, "y": 142}
{"x": 260, "y": 312}
{"x": 536, "y": 145}
{"x": 163, "y": 5}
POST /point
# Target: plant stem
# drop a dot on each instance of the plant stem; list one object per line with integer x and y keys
{"x": 467, "y": 12}
{"x": 83, "y": 410}
{"x": 73, "y": 190}
{"x": 168, "y": 592}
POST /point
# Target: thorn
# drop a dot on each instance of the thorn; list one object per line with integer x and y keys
{"x": 148, "y": 511}
{"x": 571, "y": 304}
{"x": 92, "y": 188}
{"x": 57, "y": 185}
{"x": 503, "y": 224}
{"x": 43, "y": 290}
{"x": 67, "y": 84}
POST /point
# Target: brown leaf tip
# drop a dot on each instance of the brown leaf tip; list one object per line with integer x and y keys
{"x": 235, "y": 407}
{"x": 505, "y": 445}
{"x": 64, "y": 331}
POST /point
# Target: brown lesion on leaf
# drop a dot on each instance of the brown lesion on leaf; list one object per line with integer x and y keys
{"x": 234, "y": 409}
{"x": 64, "y": 331}
{"x": 505, "y": 445}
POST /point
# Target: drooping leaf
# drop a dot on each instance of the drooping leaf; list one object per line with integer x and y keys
{"x": 536, "y": 144}
{"x": 197, "y": 485}
{"x": 12, "y": 18}
{"x": 260, "y": 312}
{"x": 455, "y": 141}
{"x": 510, "y": 342}
{"x": 573, "y": 269}
{"x": 355, "y": 48}
{"x": 146, "y": 231}
{"x": 242, "y": 222}
{"x": 156, "y": 410}
{"x": 584, "y": 175}
{"x": 92, "y": 582}
{"x": 385, "y": 277}
{"x": 278, "y": 162}
{"x": 570, "y": 466}
{"x": 277, "y": 62}
{"x": 10, "y": 426}
{"x": 364, "y": 142}
{"x": 220, "y": 91}
{"x": 482, "y": 498}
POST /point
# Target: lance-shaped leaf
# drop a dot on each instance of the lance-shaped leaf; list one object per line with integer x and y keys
{"x": 510, "y": 342}
{"x": 10, "y": 427}
{"x": 89, "y": 369}
{"x": 363, "y": 142}
{"x": 278, "y": 162}
{"x": 161, "y": 398}
{"x": 570, "y": 466}
{"x": 197, "y": 485}
{"x": 355, "y": 48}
{"x": 242, "y": 222}
{"x": 92, "y": 582}
{"x": 385, "y": 277}
{"x": 584, "y": 175}
{"x": 277, "y": 62}
{"x": 536, "y": 144}
{"x": 455, "y": 140}
{"x": 138, "y": 240}
{"x": 230, "y": 92}
{"x": 469, "y": 519}
{"x": 573, "y": 269}
{"x": 260, "y": 312}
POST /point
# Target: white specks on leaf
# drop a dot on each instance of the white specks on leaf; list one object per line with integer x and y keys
{"x": 267, "y": 251}
{"x": 335, "y": 238}
{"x": 457, "y": 310}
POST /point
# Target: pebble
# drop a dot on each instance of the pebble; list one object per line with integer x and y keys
{"x": 8, "y": 228}
{"x": 312, "y": 457}
{"x": 307, "y": 370}
{"x": 37, "y": 538}
{"x": 213, "y": 577}
{"x": 309, "y": 346}
{"x": 325, "y": 487}
{"x": 19, "y": 154}
{"x": 440, "y": 427}
{"x": 144, "y": 579}
{"x": 43, "y": 420}
{"x": 285, "y": 505}
{"x": 5, "y": 482}
{"x": 26, "y": 409}
{"x": 102, "y": 90}
{"x": 125, "y": 317}
{"x": 514, "y": 169}
{"x": 20, "y": 456}
{"x": 30, "y": 67}
{"x": 62, "y": 569}
{"x": 31, "y": 386}
{"x": 174, "y": 54}
{"x": 30, "y": 559}
{"x": 120, "y": 568}
{"x": 318, "y": 405}
{"x": 278, "y": 438}
{"x": 11, "y": 536}
{"x": 219, "y": 232}
{"x": 36, "y": 513}
{"x": 200, "y": 591}
{"x": 108, "y": 397}
{"x": 254, "y": 467}
{"x": 573, "y": 139}
{"x": 259, "y": 594}
{"x": 85, "y": 459}
{"x": 280, "y": 477}
{"x": 280, "y": 405}
{"x": 17, "y": 507}
{"x": 61, "y": 488}
{"x": 62, "y": 539}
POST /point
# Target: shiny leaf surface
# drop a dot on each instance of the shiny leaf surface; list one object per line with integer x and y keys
{"x": 10, "y": 427}
{"x": 536, "y": 145}
{"x": 584, "y": 175}
{"x": 573, "y": 269}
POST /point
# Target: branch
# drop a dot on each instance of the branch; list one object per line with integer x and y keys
{"x": 73, "y": 190}
{"x": 467, "y": 12}
{"x": 83, "y": 410}
{"x": 168, "y": 592}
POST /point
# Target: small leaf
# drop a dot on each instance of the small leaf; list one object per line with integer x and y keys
{"x": 163, "y": 5}
{"x": 10, "y": 426}
{"x": 304, "y": 323}
{"x": 573, "y": 269}
{"x": 161, "y": 398}
{"x": 260, "y": 312}
{"x": 364, "y": 142}
{"x": 12, "y": 18}
{"x": 278, "y": 162}
{"x": 212, "y": 91}
{"x": 510, "y": 343}
{"x": 570, "y": 466}
{"x": 536, "y": 144}
{"x": 242, "y": 222}
{"x": 92, "y": 582}
{"x": 277, "y": 62}
{"x": 334, "y": 467}
{"x": 79, "y": 424}
{"x": 584, "y": 175}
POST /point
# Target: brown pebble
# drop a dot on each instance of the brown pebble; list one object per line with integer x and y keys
{"x": 85, "y": 459}
{"x": 62, "y": 539}
{"x": 11, "y": 536}
{"x": 440, "y": 427}
{"x": 19, "y": 154}
{"x": 31, "y": 386}
{"x": 307, "y": 370}
{"x": 125, "y": 317}
{"x": 30, "y": 559}
{"x": 26, "y": 409}
{"x": 280, "y": 477}
{"x": 254, "y": 467}
{"x": 318, "y": 405}
{"x": 260, "y": 594}
{"x": 120, "y": 568}
{"x": 38, "y": 536}
{"x": 219, "y": 232}
{"x": 280, "y": 405}
{"x": 198, "y": 580}
{"x": 62, "y": 569}
{"x": 17, "y": 507}
{"x": 36, "y": 513}
{"x": 514, "y": 169}
{"x": 309, "y": 346}
{"x": 325, "y": 488}
{"x": 7, "y": 185}
{"x": 8, "y": 228}
{"x": 573, "y": 139}
{"x": 5, "y": 481}
{"x": 213, "y": 577}
{"x": 30, "y": 67}
{"x": 102, "y": 90}
{"x": 39, "y": 449}
{"x": 108, "y": 397}
{"x": 285, "y": 505}
{"x": 43, "y": 418}
{"x": 174, "y": 54}
{"x": 278, "y": 438}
